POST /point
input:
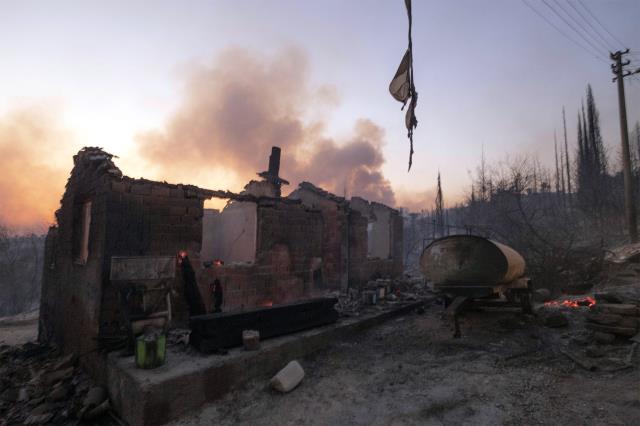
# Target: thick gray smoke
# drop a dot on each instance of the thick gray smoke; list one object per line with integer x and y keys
{"x": 236, "y": 109}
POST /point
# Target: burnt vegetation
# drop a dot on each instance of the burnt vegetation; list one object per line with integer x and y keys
{"x": 21, "y": 262}
{"x": 561, "y": 220}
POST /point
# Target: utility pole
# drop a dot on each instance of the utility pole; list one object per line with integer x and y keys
{"x": 440, "y": 223}
{"x": 629, "y": 203}
{"x": 555, "y": 145}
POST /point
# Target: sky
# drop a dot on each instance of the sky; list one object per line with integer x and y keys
{"x": 139, "y": 78}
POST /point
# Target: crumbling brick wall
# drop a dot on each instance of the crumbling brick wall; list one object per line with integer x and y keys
{"x": 71, "y": 288}
{"x": 334, "y": 212}
{"x": 127, "y": 217}
{"x": 289, "y": 246}
{"x": 149, "y": 218}
{"x": 345, "y": 241}
{"x": 362, "y": 267}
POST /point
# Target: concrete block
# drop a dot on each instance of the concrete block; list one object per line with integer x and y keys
{"x": 251, "y": 340}
{"x": 288, "y": 378}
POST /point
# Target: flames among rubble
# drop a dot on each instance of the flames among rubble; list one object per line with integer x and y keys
{"x": 573, "y": 303}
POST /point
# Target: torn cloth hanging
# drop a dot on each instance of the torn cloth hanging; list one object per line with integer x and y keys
{"x": 402, "y": 88}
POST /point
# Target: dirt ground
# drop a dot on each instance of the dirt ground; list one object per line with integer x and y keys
{"x": 19, "y": 329}
{"x": 505, "y": 370}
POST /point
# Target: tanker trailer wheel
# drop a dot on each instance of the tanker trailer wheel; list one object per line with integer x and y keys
{"x": 525, "y": 301}
{"x": 446, "y": 300}
{"x": 520, "y": 297}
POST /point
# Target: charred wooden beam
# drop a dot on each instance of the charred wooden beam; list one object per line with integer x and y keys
{"x": 215, "y": 331}
{"x": 217, "y": 193}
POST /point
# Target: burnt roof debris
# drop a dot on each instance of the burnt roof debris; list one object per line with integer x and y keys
{"x": 323, "y": 193}
{"x": 103, "y": 162}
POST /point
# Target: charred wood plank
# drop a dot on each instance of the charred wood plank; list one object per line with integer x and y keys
{"x": 215, "y": 331}
{"x": 622, "y": 331}
{"x": 618, "y": 309}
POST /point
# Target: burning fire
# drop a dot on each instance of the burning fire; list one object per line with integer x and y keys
{"x": 181, "y": 256}
{"x": 573, "y": 303}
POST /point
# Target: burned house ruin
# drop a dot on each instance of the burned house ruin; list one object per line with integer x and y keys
{"x": 262, "y": 247}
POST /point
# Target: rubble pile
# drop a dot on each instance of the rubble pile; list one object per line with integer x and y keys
{"x": 379, "y": 292}
{"x": 616, "y": 313}
{"x": 39, "y": 386}
{"x": 622, "y": 266}
{"x": 598, "y": 328}
{"x": 349, "y": 304}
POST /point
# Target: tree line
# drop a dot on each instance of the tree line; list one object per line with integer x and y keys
{"x": 559, "y": 218}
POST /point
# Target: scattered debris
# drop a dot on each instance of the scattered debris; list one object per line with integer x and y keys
{"x": 541, "y": 295}
{"x": 369, "y": 297}
{"x": 584, "y": 363}
{"x": 40, "y": 386}
{"x": 617, "y": 312}
{"x": 622, "y": 266}
{"x": 178, "y": 336}
{"x": 552, "y": 317}
{"x": 251, "y": 340}
{"x": 151, "y": 348}
{"x": 288, "y": 378}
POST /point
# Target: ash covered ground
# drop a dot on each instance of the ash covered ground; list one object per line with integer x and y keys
{"x": 506, "y": 369}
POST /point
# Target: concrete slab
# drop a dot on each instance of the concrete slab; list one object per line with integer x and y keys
{"x": 187, "y": 380}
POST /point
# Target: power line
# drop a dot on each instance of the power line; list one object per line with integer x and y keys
{"x": 597, "y": 49}
{"x": 584, "y": 6}
{"x": 595, "y": 30}
{"x": 563, "y": 33}
{"x": 581, "y": 26}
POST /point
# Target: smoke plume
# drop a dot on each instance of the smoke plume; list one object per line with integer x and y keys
{"x": 417, "y": 201}
{"x": 236, "y": 109}
{"x": 35, "y": 165}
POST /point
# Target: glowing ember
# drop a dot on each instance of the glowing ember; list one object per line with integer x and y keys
{"x": 573, "y": 303}
{"x": 181, "y": 256}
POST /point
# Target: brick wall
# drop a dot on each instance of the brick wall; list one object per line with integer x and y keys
{"x": 71, "y": 291}
{"x": 128, "y": 217}
{"x": 149, "y": 218}
{"x": 340, "y": 253}
{"x": 289, "y": 244}
{"x": 362, "y": 268}
{"x": 334, "y": 244}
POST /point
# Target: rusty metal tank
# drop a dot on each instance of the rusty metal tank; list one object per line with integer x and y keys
{"x": 469, "y": 261}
